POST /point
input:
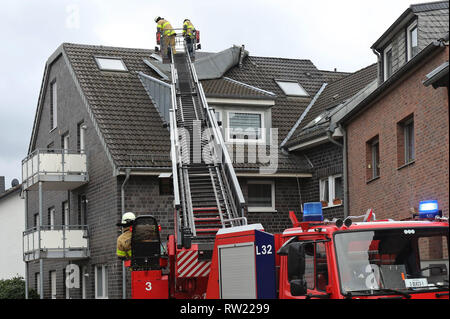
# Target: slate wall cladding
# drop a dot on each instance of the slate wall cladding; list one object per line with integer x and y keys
{"x": 327, "y": 160}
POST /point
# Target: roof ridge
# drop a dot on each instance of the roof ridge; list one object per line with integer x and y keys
{"x": 353, "y": 73}
{"x": 105, "y": 46}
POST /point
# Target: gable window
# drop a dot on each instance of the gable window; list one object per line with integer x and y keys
{"x": 51, "y": 218}
{"x": 292, "y": 88}
{"x": 81, "y": 133}
{"x": 53, "y": 105}
{"x": 405, "y": 141}
{"x": 111, "y": 64}
{"x": 412, "y": 40}
{"x": 331, "y": 191}
{"x": 387, "y": 57}
{"x": 373, "y": 158}
{"x": 245, "y": 126}
{"x": 261, "y": 196}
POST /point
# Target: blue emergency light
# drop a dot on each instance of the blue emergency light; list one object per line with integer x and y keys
{"x": 312, "y": 212}
{"x": 429, "y": 209}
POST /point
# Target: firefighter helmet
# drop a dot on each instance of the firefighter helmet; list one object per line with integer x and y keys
{"x": 157, "y": 18}
{"x": 128, "y": 218}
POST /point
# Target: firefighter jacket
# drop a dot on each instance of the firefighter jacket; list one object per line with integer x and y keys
{"x": 188, "y": 29}
{"x": 124, "y": 244}
{"x": 165, "y": 28}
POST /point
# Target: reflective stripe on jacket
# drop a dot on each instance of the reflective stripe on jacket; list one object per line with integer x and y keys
{"x": 124, "y": 244}
{"x": 165, "y": 27}
{"x": 188, "y": 28}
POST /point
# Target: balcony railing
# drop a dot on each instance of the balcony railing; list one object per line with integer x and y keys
{"x": 55, "y": 242}
{"x": 58, "y": 169}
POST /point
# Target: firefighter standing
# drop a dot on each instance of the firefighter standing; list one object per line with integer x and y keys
{"x": 168, "y": 35}
{"x": 124, "y": 240}
{"x": 189, "y": 35}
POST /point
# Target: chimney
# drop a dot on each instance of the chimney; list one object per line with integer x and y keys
{"x": 2, "y": 184}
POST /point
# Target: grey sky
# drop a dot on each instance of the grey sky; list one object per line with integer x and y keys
{"x": 332, "y": 34}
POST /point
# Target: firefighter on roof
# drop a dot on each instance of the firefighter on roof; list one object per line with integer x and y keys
{"x": 168, "y": 35}
{"x": 124, "y": 240}
{"x": 189, "y": 35}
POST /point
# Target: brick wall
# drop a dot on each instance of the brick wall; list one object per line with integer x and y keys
{"x": 401, "y": 187}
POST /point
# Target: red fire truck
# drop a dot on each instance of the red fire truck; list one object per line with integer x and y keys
{"x": 316, "y": 258}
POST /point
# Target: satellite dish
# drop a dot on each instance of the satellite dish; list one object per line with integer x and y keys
{"x": 15, "y": 182}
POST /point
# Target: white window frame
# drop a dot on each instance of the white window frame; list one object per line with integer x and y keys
{"x": 84, "y": 275}
{"x": 253, "y": 209}
{"x": 331, "y": 190}
{"x": 54, "y": 104}
{"x": 280, "y": 82}
{"x": 104, "y": 274}
{"x": 388, "y": 48}
{"x": 66, "y": 213}
{"x": 409, "y": 40}
{"x": 66, "y": 141}
{"x": 51, "y": 212}
{"x": 53, "y": 288}
{"x": 98, "y": 60}
{"x": 262, "y": 139}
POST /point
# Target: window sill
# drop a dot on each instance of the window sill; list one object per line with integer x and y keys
{"x": 372, "y": 180}
{"x": 261, "y": 210}
{"x": 53, "y": 129}
{"x": 406, "y": 165}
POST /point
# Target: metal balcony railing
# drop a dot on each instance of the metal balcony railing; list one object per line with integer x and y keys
{"x": 59, "y": 169}
{"x": 56, "y": 242}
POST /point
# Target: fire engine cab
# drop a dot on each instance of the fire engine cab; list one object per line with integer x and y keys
{"x": 316, "y": 258}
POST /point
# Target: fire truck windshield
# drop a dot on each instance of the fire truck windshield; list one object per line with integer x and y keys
{"x": 404, "y": 260}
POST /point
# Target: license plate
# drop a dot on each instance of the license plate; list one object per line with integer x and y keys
{"x": 416, "y": 283}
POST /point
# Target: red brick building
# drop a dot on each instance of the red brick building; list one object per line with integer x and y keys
{"x": 398, "y": 137}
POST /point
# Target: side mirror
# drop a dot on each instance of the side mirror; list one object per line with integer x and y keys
{"x": 296, "y": 269}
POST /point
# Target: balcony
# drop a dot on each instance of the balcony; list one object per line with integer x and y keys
{"x": 57, "y": 169}
{"x": 56, "y": 242}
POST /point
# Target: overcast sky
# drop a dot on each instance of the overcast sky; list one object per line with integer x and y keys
{"x": 332, "y": 34}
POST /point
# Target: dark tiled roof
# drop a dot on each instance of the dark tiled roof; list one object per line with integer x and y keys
{"x": 131, "y": 126}
{"x": 225, "y": 87}
{"x": 423, "y": 7}
{"x": 333, "y": 95}
{"x": 128, "y": 121}
{"x": 262, "y": 73}
{"x": 331, "y": 76}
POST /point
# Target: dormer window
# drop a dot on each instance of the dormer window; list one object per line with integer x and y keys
{"x": 413, "y": 47}
{"x": 111, "y": 64}
{"x": 387, "y": 57}
{"x": 292, "y": 88}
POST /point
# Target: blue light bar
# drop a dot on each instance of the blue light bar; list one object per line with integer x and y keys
{"x": 312, "y": 212}
{"x": 429, "y": 209}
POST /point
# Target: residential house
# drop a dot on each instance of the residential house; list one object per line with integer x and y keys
{"x": 99, "y": 147}
{"x": 312, "y": 138}
{"x": 12, "y": 216}
{"x": 397, "y": 130}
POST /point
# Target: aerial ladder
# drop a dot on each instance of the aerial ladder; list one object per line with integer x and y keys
{"x": 207, "y": 194}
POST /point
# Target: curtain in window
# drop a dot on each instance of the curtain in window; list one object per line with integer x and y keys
{"x": 245, "y": 125}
